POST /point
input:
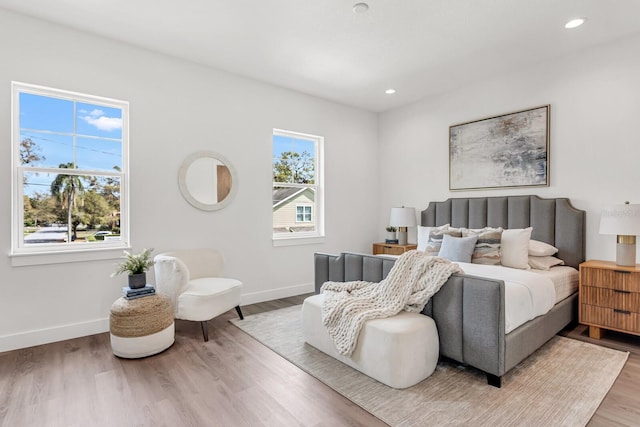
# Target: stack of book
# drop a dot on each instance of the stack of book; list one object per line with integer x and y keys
{"x": 129, "y": 293}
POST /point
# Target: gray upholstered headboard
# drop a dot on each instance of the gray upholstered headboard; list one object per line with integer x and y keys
{"x": 554, "y": 221}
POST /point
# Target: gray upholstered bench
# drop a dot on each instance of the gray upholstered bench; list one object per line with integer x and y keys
{"x": 399, "y": 351}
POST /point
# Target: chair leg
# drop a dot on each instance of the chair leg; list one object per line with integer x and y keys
{"x": 239, "y": 312}
{"x": 205, "y": 332}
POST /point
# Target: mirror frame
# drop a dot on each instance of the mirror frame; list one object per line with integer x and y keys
{"x": 182, "y": 180}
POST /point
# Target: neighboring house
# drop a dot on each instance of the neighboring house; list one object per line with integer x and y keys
{"x": 293, "y": 209}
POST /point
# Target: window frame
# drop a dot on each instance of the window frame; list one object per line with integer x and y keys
{"x": 303, "y": 237}
{"x": 23, "y": 254}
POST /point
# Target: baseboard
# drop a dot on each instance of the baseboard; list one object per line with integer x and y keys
{"x": 271, "y": 294}
{"x": 75, "y": 330}
{"x": 49, "y": 335}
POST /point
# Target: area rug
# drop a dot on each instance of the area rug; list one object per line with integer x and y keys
{"x": 561, "y": 384}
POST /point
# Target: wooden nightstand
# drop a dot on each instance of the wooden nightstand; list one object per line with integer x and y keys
{"x": 609, "y": 297}
{"x": 391, "y": 248}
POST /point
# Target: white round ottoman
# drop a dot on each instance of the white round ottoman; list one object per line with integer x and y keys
{"x": 141, "y": 327}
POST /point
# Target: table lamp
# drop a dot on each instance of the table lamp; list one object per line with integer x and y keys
{"x": 623, "y": 221}
{"x": 402, "y": 218}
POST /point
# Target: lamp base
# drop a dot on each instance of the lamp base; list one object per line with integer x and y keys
{"x": 402, "y": 235}
{"x": 626, "y": 254}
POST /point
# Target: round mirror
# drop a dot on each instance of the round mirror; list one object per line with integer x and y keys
{"x": 207, "y": 180}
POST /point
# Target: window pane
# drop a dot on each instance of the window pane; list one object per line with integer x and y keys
{"x": 94, "y": 202}
{"x": 45, "y": 149}
{"x": 39, "y": 206}
{"x": 293, "y": 160}
{"x": 45, "y": 113}
{"x": 98, "y": 120}
{"x": 98, "y": 154}
{"x": 289, "y": 216}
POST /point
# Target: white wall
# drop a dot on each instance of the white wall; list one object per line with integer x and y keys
{"x": 595, "y": 146}
{"x": 177, "y": 108}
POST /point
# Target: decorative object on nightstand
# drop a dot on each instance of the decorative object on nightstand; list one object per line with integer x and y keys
{"x": 391, "y": 248}
{"x": 623, "y": 221}
{"x": 402, "y": 218}
{"x": 391, "y": 235}
{"x": 136, "y": 266}
{"x": 609, "y": 297}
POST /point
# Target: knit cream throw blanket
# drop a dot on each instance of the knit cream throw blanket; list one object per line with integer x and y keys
{"x": 413, "y": 280}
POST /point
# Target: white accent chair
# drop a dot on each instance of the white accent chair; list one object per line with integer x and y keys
{"x": 194, "y": 281}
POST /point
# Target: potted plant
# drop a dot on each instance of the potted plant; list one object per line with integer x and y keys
{"x": 136, "y": 266}
{"x": 391, "y": 233}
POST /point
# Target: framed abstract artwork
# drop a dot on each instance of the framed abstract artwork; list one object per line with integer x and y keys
{"x": 506, "y": 151}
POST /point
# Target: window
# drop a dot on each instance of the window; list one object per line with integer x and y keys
{"x": 297, "y": 187}
{"x": 70, "y": 164}
{"x": 303, "y": 213}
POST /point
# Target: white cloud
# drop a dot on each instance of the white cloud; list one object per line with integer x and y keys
{"x": 97, "y": 119}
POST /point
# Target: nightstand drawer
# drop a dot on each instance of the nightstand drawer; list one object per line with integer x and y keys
{"x": 610, "y": 298}
{"x": 390, "y": 250}
{"x": 622, "y": 320}
{"x": 611, "y": 279}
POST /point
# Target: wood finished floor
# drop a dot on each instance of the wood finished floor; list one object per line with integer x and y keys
{"x": 232, "y": 380}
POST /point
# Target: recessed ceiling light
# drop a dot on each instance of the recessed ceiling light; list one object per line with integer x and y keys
{"x": 360, "y": 8}
{"x": 575, "y": 23}
{"x": 390, "y": 91}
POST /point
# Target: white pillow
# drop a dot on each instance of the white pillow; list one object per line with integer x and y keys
{"x": 544, "y": 262}
{"x": 538, "y": 248}
{"x": 423, "y": 235}
{"x": 514, "y": 248}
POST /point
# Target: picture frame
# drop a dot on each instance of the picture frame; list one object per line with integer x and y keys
{"x": 506, "y": 151}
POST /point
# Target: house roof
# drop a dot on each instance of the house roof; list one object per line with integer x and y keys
{"x": 281, "y": 195}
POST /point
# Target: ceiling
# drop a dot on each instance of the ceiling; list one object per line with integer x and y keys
{"x": 322, "y": 48}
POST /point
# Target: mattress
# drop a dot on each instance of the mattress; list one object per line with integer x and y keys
{"x": 565, "y": 280}
{"x": 528, "y": 293}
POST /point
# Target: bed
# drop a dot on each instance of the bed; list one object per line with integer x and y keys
{"x": 469, "y": 310}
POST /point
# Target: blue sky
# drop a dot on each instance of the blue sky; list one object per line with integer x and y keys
{"x": 49, "y": 122}
{"x": 285, "y": 143}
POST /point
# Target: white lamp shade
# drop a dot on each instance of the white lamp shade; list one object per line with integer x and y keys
{"x": 623, "y": 220}
{"x": 403, "y": 217}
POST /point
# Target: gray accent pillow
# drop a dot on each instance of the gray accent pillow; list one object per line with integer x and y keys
{"x": 435, "y": 238}
{"x": 457, "y": 249}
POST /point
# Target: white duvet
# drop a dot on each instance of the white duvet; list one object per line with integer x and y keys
{"x": 527, "y": 295}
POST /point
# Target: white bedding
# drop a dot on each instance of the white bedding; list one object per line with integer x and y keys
{"x": 528, "y": 293}
{"x": 565, "y": 280}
